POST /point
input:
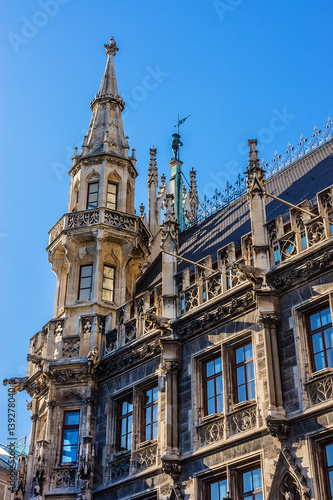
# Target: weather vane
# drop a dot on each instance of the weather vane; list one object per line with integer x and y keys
{"x": 176, "y": 142}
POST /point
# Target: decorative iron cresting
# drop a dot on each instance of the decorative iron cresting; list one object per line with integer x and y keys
{"x": 221, "y": 199}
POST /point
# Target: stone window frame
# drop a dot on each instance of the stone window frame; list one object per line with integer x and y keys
{"x": 302, "y": 342}
{"x": 91, "y": 277}
{"x": 118, "y": 419}
{"x": 206, "y": 378}
{"x": 226, "y": 348}
{"x": 232, "y": 471}
{"x": 90, "y": 183}
{"x": 136, "y": 393}
{"x": 141, "y": 390}
{"x": 317, "y": 460}
{"x": 116, "y": 184}
{"x": 63, "y": 408}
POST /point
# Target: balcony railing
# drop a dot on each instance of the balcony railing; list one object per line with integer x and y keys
{"x": 96, "y": 216}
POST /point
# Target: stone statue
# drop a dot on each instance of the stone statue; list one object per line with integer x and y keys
{"x": 159, "y": 322}
{"x": 92, "y": 359}
{"x": 253, "y": 274}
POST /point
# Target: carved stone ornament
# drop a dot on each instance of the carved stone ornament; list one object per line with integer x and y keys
{"x": 279, "y": 429}
{"x": 68, "y": 375}
{"x": 300, "y": 274}
{"x": 93, "y": 358}
{"x": 226, "y": 310}
{"x": 171, "y": 367}
{"x": 172, "y": 468}
{"x": 16, "y": 383}
{"x": 161, "y": 323}
{"x": 136, "y": 355}
{"x": 268, "y": 319}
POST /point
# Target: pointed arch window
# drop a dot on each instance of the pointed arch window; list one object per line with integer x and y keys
{"x": 92, "y": 199}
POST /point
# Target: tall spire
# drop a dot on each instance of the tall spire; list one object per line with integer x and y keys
{"x": 105, "y": 133}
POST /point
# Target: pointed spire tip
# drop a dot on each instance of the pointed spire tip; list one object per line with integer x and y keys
{"x": 111, "y": 48}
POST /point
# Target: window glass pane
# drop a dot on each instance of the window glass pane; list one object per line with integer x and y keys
{"x": 107, "y": 283}
{"x": 129, "y": 441}
{"x": 257, "y": 482}
{"x": 247, "y": 481}
{"x": 210, "y": 388}
{"x": 320, "y": 361}
{"x": 214, "y": 491}
{"x": 241, "y": 375}
{"x": 129, "y": 406}
{"x": 223, "y": 488}
{"x": 239, "y": 355}
{"x": 69, "y": 454}
{"x": 155, "y": 413}
{"x": 218, "y": 365}
{"x": 317, "y": 342}
{"x": 241, "y": 393}
{"x": 148, "y": 432}
{"x": 219, "y": 385}
{"x": 112, "y": 188}
{"x": 107, "y": 295}
{"x": 330, "y": 475}
{"x": 149, "y": 395}
{"x": 123, "y": 426}
{"x": 329, "y": 454}
{"x": 85, "y": 282}
{"x": 329, "y": 355}
{"x": 148, "y": 415}
{"x": 85, "y": 271}
{"x": 328, "y": 337}
{"x": 250, "y": 371}
{"x": 219, "y": 403}
{"x": 251, "y": 389}
{"x": 258, "y": 496}
{"x": 155, "y": 393}
{"x": 123, "y": 442}
{"x": 326, "y": 317}
{"x": 210, "y": 368}
{"x": 211, "y": 406}
{"x": 315, "y": 321}
{"x": 70, "y": 436}
{"x": 129, "y": 423}
{"x": 85, "y": 294}
{"x": 93, "y": 187}
{"x": 248, "y": 351}
{"x": 72, "y": 417}
{"x": 155, "y": 430}
{"x": 108, "y": 272}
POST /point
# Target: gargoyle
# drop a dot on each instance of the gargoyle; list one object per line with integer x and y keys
{"x": 17, "y": 383}
{"x": 160, "y": 322}
{"x": 253, "y": 274}
{"x": 38, "y": 360}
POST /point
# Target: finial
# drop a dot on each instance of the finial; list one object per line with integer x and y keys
{"x": 152, "y": 162}
{"x": 133, "y": 154}
{"x": 112, "y": 48}
{"x": 142, "y": 210}
{"x": 163, "y": 179}
{"x": 253, "y": 151}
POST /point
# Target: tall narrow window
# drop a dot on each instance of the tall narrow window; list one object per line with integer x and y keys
{"x": 111, "y": 197}
{"x": 321, "y": 334}
{"x": 244, "y": 370}
{"x": 85, "y": 282}
{"x": 213, "y": 386}
{"x": 329, "y": 469}
{"x": 92, "y": 200}
{"x": 70, "y": 436}
{"x": 276, "y": 249}
{"x": 108, "y": 283}
{"x": 252, "y": 485}
{"x": 150, "y": 414}
{"x": 218, "y": 490}
{"x": 125, "y": 420}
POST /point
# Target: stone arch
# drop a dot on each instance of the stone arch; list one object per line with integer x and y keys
{"x": 114, "y": 177}
{"x": 289, "y": 488}
{"x": 71, "y": 397}
{"x": 92, "y": 175}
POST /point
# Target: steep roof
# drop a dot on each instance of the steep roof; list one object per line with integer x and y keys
{"x": 301, "y": 180}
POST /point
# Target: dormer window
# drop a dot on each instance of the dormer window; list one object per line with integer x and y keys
{"x": 111, "y": 197}
{"x": 92, "y": 200}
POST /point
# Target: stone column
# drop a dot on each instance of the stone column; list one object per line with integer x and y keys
{"x": 171, "y": 356}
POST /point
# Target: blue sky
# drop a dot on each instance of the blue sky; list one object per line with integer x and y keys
{"x": 242, "y": 69}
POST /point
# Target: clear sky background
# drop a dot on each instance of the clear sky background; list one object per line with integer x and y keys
{"x": 242, "y": 69}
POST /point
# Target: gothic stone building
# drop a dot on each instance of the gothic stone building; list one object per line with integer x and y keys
{"x": 165, "y": 378}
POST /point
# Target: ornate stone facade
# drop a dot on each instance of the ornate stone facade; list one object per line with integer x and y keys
{"x": 179, "y": 363}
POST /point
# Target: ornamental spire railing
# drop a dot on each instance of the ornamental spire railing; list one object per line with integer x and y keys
{"x": 221, "y": 199}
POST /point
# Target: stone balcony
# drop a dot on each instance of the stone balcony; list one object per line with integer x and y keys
{"x": 100, "y": 216}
